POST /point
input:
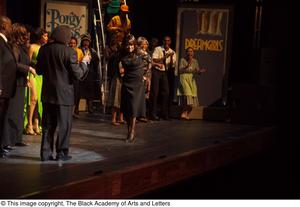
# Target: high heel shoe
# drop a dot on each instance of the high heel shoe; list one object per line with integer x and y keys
{"x": 130, "y": 137}
{"x": 122, "y": 122}
{"x": 115, "y": 123}
{"x": 29, "y": 130}
{"x": 37, "y": 130}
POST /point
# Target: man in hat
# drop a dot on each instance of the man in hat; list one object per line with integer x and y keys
{"x": 89, "y": 87}
{"x": 120, "y": 25}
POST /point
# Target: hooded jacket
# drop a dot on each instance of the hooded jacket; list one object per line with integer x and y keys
{"x": 58, "y": 64}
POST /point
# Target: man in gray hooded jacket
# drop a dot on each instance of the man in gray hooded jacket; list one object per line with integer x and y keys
{"x": 58, "y": 64}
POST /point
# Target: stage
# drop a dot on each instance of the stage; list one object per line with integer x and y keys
{"x": 105, "y": 166}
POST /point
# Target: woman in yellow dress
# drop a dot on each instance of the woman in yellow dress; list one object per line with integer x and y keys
{"x": 187, "y": 90}
{"x": 33, "y": 94}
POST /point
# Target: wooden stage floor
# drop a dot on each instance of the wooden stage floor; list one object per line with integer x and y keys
{"x": 104, "y": 166}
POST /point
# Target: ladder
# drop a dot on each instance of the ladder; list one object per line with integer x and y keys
{"x": 101, "y": 49}
{"x": 101, "y": 46}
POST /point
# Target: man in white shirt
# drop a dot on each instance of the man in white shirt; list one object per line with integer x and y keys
{"x": 164, "y": 60}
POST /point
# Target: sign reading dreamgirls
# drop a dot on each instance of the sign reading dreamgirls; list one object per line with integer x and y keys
{"x": 207, "y": 29}
{"x": 75, "y": 15}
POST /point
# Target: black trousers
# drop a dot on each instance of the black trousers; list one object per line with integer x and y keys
{"x": 159, "y": 86}
{"x": 56, "y": 117}
{"x": 14, "y": 119}
{"x": 171, "y": 81}
{"x": 3, "y": 110}
{"x": 76, "y": 95}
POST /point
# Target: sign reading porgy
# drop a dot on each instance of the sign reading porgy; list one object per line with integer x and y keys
{"x": 74, "y": 16}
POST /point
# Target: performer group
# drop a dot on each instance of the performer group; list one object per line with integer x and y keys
{"x": 43, "y": 78}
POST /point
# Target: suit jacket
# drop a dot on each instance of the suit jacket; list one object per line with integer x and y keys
{"x": 58, "y": 65}
{"x": 23, "y": 63}
{"x": 8, "y": 68}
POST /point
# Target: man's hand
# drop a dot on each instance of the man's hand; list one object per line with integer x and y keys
{"x": 87, "y": 58}
{"x": 169, "y": 55}
{"x": 122, "y": 71}
{"x": 32, "y": 71}
{"x": 161, "y": 66}
{"x": 201, "y": 70}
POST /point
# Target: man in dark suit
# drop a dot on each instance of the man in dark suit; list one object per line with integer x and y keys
{"x": 58, "y": 64}
{"x": 8, "y": 69}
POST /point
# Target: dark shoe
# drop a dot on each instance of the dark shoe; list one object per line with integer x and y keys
{"x": 9, "y": 148}
{"x": 130, "y": 141}
{"x": 167, "y": 118}
{"x": 75, "y": 116}
{"x": 76, "y": 112}
{"x": 142, "y": 119}
{"x": 4, "y": 151}
{"x": 90, "y": 107}
{"x": 21, "y": 144}
{"x": 3, "y": 155}
{"x": 154, "y": 118}
{"x": 51, "y": 158}
{"x": 130, "y": 137}
{"x": 63, "y": 157}
{"x": 90, "y": 110}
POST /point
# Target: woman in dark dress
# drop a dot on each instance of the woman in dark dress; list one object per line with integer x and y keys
{"x": 14, "y": 120}
{"x": 133, "y": 91}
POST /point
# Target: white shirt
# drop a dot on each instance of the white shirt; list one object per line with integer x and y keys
{"x": 159, "y": 53}
{"x": 3, "y": 36}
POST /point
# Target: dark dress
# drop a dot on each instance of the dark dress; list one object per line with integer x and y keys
{"x": 115, "y": 79}
{"x": 133, "y": 91}
{"x": 90, "y": 86}
{"x": 14, "y": 119}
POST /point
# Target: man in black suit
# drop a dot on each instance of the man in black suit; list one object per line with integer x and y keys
{"x": 8, "y": 69}
{"x": 58, "y": 64}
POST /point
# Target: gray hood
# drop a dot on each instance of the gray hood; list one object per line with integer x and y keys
{"x": 62, "y": 34}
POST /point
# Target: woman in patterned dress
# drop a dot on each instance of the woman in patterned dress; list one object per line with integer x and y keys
{"x": 187, "y": 90}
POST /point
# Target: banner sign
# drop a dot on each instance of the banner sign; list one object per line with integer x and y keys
{"x": 206, "y": 30}
{"x": 74, "y": 15}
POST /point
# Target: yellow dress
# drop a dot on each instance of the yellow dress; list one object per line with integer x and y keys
{"x": 187, "y": 89}
{"x": 80, "y": 54}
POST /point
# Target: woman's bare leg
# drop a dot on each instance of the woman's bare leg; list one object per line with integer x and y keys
{"x": 131, "y": 129}
{"x": 114, "y": 116}
{"x": 33, "y": 101}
